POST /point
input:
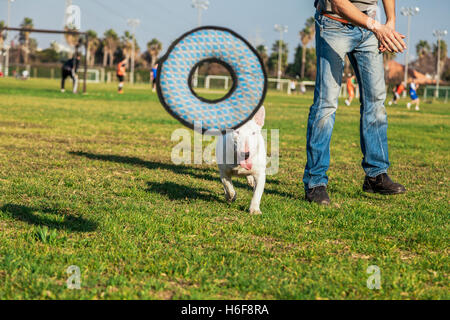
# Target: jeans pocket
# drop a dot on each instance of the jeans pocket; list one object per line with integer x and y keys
{"x": 330, "y": 24}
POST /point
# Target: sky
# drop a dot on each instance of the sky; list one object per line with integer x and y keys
{"x": 168, "y": 19}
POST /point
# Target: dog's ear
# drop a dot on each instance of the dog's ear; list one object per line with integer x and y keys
{"x": 260, "y": 116}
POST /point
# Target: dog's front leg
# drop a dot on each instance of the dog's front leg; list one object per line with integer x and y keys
{"x": 251, "y": 182}
{"x": 230, "y": 193}
{"x": 260, "y": 180}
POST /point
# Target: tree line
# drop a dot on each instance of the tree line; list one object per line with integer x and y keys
{"x": 110, "y": 47}
{"x": 105, "y": 50}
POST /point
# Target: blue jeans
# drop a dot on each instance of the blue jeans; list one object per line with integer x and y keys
{"x": 335, "y": 40}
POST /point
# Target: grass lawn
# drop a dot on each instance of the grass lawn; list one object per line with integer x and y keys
{"x": 88, "y": 181}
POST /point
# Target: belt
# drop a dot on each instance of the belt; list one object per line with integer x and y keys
{"x": 336, "y": 18}
{"x": 328, "y": 14}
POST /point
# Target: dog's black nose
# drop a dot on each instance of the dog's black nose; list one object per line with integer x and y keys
{"x": 245, "y": 155}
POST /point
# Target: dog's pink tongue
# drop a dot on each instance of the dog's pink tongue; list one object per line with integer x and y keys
{"x": 247, "y": 164}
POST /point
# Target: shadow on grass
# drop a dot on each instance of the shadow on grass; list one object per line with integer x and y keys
{"x": 199, "y": 173}
{"x": 36, "y": 216}
{"x": 176, "y": 191}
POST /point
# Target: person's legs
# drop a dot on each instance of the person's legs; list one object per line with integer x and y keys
{"x": 348, "y": 100}
{"x": 74, "y": 77}
{"x": 417, "y": 101}
{"x": 351, "y": 96}
{"x": 333, "y": 41}
{"x": 120, "y": 89}
{"x": 395, "y": 99}
{"x": 367, "y": 62}
{"x": 64, "y": 75}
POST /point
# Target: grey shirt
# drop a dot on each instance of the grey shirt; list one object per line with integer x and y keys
{"x": 362, "y": 5}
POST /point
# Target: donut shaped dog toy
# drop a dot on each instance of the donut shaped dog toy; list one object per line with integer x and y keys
{"x": 212, "y": 44}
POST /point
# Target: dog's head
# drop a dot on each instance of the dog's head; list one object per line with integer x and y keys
{"x": 246, "y": 139}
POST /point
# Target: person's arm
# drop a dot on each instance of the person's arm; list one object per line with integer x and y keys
{"x": 389, "y": 39}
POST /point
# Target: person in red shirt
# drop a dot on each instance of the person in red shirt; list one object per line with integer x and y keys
{"x": 398, "y": 90}
{"x": 121, "y": 72}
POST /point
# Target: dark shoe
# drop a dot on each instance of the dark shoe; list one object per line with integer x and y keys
{"x": 318, "y": 195}
{"x": 382, "y": 184}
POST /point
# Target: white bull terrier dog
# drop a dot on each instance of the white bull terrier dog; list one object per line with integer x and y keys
{"x": 242, "y": 152}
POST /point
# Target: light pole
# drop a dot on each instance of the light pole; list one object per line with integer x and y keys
{"x": 200, "y": 5}
{"x": 408, "y": 12}
{"x": 8, "y": 21}
{"x": 133, "y": 24}
{"x": 281, "y": 29}
{"x": 439, "y": 34}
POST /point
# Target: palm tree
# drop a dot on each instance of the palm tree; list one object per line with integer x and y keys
{"x": 262, "y": 51}
{"x": 71, "y": 39}
{"x": 443, "y": 46}
{"x": 2, "y": 35}
{"x": 110, "y": 44}
{"x": 127, "y": 44}
{"x": 306, "y": 35}
{"x": 423, "y": 48}
{"x": 92, "y": 46}
{"x": 154, "y": 47}
{"x": 273, "y": 59}
{"x": 443, "y": 53}
{"x": 24, "y": 37}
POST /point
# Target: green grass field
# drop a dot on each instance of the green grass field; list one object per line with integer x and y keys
{"x": 88, "y": 181}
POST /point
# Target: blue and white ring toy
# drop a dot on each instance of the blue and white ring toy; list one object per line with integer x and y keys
{"x": 212, "y": 44}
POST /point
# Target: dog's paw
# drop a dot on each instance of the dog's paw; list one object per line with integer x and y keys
{"x": 231, "y": 199}
{"x": 251, "y": 181}
{"x": 255, "y": 212}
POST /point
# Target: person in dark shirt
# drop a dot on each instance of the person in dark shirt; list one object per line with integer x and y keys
{"x": 69, "y": 69}
{"x": 121, "y": 73}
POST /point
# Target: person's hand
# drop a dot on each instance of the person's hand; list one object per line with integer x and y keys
{"x": 390, "y": 40}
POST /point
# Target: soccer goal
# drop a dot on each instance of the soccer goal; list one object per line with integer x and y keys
{"x": 92, "y": 75}
{"x": 434, "y": 92}
{"x": 38, "y": 70}
{"x": 280, "y": 85}
{"x": 217, "y": 79}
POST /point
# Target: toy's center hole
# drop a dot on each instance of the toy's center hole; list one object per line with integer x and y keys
{"x": 212, "y": 81}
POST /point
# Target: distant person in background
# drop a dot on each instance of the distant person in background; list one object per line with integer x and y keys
{"x": 293, "y": 85}
{"x": 70, "y": 69}
{"x": 25, "y": 75}
{"x": 121, "y": 72}
{"x": 351, "y": 85}
{"x": 398, "y": 90}
{"x": 413, "y": 94}
{"x": 1, "y": 74}
{"x": 154, "y": 74}
{"x": 302, "y": 88}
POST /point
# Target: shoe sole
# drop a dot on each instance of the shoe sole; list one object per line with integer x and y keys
{"x": 326, "y": 203}
{"x": 392, "y": 193}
